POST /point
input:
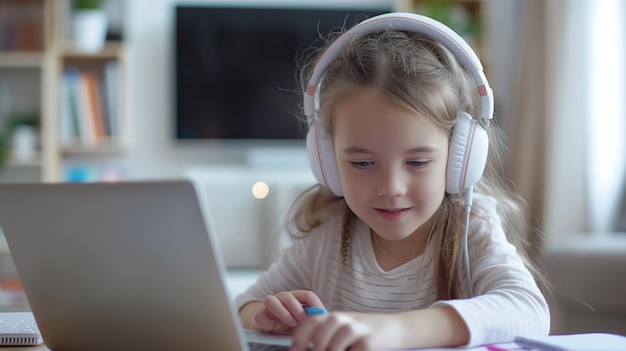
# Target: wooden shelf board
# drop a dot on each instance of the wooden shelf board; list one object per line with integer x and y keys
{"x": 21, "y": 59}
{"x": 103, "y": 148}
{"x": 111, "y": 50}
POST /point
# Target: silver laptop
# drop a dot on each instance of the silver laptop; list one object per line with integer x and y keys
{"x": 123, "y": 266}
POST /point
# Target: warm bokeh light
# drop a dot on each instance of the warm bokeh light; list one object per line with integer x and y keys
{"x": 260, "y": 190}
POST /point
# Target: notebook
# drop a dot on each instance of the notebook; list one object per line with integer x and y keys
{"x": 574, "y": 342}
{"x": 129, "y": 265}
{"x": 19, "y": 329}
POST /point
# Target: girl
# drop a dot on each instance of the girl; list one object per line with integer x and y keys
{"x": 387, "y": 247}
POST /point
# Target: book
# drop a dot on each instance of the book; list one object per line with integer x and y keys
{"x": 70, "y": 114}
{"x": 573, "y": 342}
{"x": 95, "y": 105}
{"x": 111, "y": 94}
{"x": 67, "y": 131}
{"x": 88, "y": 113}
{"x": 85, "y": 112}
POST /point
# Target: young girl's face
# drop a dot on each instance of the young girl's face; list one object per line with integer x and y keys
{"x": 392, "y": 163}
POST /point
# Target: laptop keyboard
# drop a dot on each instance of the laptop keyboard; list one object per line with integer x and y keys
{"x": 253, "y": 346}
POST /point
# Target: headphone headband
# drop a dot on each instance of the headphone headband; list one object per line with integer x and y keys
{"x": 411, "y": 22}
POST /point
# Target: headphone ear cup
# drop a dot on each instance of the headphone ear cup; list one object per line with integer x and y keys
{"x": 321, "y": 153}
{"x": 467, "y": 155}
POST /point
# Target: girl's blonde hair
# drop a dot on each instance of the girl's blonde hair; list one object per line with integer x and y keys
{"x": 418, "y": 73}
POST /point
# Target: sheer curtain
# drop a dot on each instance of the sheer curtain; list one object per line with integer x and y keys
{"x": 566, "y": 126}
{"x": 606, "y": 122}
{"x": 528, "y": 121}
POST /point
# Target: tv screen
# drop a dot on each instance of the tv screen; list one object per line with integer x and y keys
{"x": 235, "y": 68}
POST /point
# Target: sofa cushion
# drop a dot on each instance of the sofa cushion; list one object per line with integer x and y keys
{"x": 589, "y": 278}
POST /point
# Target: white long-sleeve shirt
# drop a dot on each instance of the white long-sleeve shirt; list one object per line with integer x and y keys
{"x": 507, "y": 300}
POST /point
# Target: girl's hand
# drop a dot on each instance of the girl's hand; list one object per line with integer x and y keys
{"x": 426, "y": 328}
{"x": 284, "y": 311}
{"x": 340, "y": 331}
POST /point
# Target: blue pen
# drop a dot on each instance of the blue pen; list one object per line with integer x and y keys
{"x": 314, "y": 311}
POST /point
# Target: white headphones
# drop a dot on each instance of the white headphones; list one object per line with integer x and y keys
{"x": 469, "y": 143}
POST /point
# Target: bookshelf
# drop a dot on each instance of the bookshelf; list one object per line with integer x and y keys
{"x": 23, "y": 44}
{"x": 84, "y": 116}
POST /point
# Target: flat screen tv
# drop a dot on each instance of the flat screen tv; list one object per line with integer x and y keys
{"x": 235, "y": 68}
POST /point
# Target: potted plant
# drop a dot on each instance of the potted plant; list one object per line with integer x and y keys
{"x": 21, "y": 134}
{"x": 89, "y": 25}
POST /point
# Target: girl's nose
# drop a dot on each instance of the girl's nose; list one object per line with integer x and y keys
{"x": 391, "y": 183}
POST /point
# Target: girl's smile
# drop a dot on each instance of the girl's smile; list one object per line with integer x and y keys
{"x": 392, "y": 214}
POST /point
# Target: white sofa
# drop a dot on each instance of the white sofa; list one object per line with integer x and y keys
{"x": 250, "y": 231}
{"x": 589, "y": 277}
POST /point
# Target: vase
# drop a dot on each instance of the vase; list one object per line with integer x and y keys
{"x": 89, "y": 28}
{"x": 24, "y": 143}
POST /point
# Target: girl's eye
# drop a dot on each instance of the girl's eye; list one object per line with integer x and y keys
{"x": 361, "y": 164}
{"x": 418, "y": 164}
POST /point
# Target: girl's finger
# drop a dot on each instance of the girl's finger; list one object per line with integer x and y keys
{"x": 264, "y": 322}
{"x": 293, "y": 305}
{"x": 302, "y": 335}
{"x": 322, "y": 334}
{"x": 307, "y": 298}
{"x": 279, "y": 310}
{"x": 343, "y": 338}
